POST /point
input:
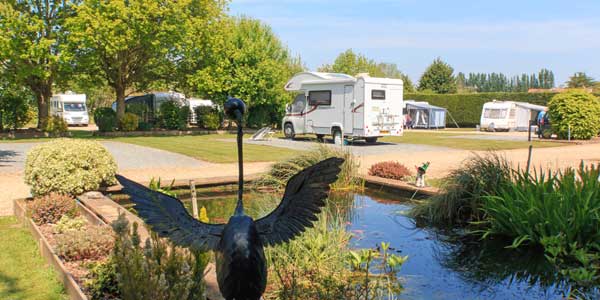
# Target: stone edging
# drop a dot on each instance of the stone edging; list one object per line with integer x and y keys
{"x": 167, "y": 132}
{"x": 71, "y": 286}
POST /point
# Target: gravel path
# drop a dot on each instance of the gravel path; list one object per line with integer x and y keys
{"x": 128, "y": 157}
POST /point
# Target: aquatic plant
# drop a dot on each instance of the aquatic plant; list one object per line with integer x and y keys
{"x": 280, "y": 173}
{"x": 156, "y": 185}
{"x": 462, "y": 198}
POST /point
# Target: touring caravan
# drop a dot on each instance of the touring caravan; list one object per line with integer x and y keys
{"x": 71, "y": 107}
{"x": 341, "y": 105}
{"x": 147, "y": 106}
{"x": 508, "y": 115}
{"x": 193, "y": 103}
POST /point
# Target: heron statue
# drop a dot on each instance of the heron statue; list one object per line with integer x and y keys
{"x": 238, "y": 245}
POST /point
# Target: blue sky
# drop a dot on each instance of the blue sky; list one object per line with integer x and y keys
{"x": 506, "y": 36}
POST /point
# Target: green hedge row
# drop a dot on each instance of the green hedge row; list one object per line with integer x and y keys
{"x": 466, "y": 108}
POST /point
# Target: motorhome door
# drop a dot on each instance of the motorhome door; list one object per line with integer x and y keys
{"x": 348, "y": 106}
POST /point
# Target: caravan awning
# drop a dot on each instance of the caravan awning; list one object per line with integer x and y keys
{"x": 531, "y": 106}
{"x": 422, "y": 105}
{"x": 295, "y": 84}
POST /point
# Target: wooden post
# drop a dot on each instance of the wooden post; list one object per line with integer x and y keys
{"x": 194, "y": 200}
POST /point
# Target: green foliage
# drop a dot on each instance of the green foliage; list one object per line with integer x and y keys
{"x": 172, "y": 116}
{"x": 352, "y": 64}
{"x": 281, "y": 172}
{"x": 461, "y": 201}
{"x": 88, "y": 243}
{"x": 129, "y": 122}
{"x": 69, "y": 166}
{"x": 558, "y": 210}
{"x": 389, "y": 169}
{"x": 158, "y": 270}
{"x": 67, "y": 223}
{"x": 249, "y": 62}
{"x": 578, "y": 110}
{"x": 439, "y": 78}
{"x": 55, "y": 126}
{"x": 51, "y": 208}
{"x": 498, "y": 82}
{"x": 155, "y": 185}
{"x": 580, "y": 80}
{"x": 208, "y": 117}
{"x": 106, "y": 119}
{"x": 466, "y": 108}
{"x": 14, "y": 108}
{"x": 102, "y": 283}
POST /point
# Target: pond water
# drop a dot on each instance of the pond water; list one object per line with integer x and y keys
{"x": 441, "y": 265}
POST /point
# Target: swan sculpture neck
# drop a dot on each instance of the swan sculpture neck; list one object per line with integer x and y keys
{"x": 239, "y": 209}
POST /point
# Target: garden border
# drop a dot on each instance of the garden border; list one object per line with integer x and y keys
{"x": 71, "y": 287}
{"x": 30, "y": 134}
{"x": 167, "y": 133}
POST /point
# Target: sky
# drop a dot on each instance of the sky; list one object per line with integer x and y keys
{"x": 508, "y": 36}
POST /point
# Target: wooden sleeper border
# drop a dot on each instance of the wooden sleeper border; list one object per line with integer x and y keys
{"x": 71, "y": 287}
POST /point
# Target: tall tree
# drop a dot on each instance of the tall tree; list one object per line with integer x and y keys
{"x": 132, "y": 44}
{"x": 580, "y": 80}
{"x": 352, "y": 63}
{"x": 438, "y": 77}
{"x": 247, "y": 61}
{"x": 31, "y": 35}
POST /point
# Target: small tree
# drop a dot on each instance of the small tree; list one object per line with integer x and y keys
{"x": 580, "y": 80}
{"x": 438, "y": 78}
{"x": 576, "y": 110}
{"x": 14, "y": 108}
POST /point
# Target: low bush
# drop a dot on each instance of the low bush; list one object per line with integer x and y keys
{"x": 158, "y": 270}
{"x": 173, "y": 116}
{"x": 460, "y": 203}
{"x": 576, "y": 110}
{"x": 389, "y": 169}
{"x": 51, "y": 208}
{"x": 144, "y": 126}
{"x": 102, "y": 282}
{"x": 106, "y": 119}
{"x": 69, "y": 166}
{"x": 89, "y": 243}
{"x": 55, "y": 126}
{"x": 14, "y": 110}
{"x": 281, "y": 172}
{"x": 208, "y": 117}
{"x": 129, "y": 122}
{"x": 67, "y": 223}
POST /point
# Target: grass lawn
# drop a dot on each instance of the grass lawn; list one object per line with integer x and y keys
{"x": 211, "y": 148}
{"x": 444, "y": 139}
{"x": 23, "y": 272}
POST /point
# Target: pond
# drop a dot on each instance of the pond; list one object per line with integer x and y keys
{"x": 441, "y": 265}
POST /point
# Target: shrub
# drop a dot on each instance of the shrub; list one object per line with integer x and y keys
{"x": 139, "y": 109}
{"x": 55, "y": 126}
{"x": 102, "y": 282}
{"x": 14, "y": 111}
{"x": 208, "y": 117}
{"x": 51, "y": 208}
{"x": 173, "y": 116}
{"x": 389, "y": 169}
{"x": 105, "y": 118}
{"x": 461, "y": 201}
{"x": 144, "y": 126}
{"x": 577, "y": 109}
{"x": 158, "y": 270}
{"x": 90, "y": 243}
{"x": 69, "y": 166}
{"x": 281, "y": 172}
{"x": 67, "y": 223}
{"x": 129, "y": 122}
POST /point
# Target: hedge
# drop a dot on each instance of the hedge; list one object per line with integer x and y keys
{"x": 466, "y": 108}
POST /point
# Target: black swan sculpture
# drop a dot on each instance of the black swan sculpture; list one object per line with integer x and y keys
{"x": 238, "y": 245}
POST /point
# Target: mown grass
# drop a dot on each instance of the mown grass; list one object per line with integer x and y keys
{"x": 23, "y": 272}
{"x": 447, "y": 139}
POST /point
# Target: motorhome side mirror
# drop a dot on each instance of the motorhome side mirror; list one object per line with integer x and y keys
{"x": 288, "y": 108}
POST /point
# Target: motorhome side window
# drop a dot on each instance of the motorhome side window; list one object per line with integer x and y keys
{"x": 378, "y": 94}
{"x": 319, "y": 98}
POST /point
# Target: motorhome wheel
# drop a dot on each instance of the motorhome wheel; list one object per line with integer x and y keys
{"x": 288, "y": 131}
{"x": 337, "y": 137}
{"x": 371, "y": 140}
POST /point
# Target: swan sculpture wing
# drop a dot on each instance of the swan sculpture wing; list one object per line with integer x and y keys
{"x": 168, "y": 217}
{"x": 304, "y": 196}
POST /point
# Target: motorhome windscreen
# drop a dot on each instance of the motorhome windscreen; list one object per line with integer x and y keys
{"x": 494, "y": 113}
{"x": 319, "y": 98}
{"x": 299, "y": 104}
{"x": 378, "y": 94}
{"x": 74, "y": 106}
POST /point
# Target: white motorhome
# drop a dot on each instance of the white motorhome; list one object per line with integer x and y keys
{"x": 340, "y": 105}
{"x": 71, "y": 107}
{"x": 508, "y": 115}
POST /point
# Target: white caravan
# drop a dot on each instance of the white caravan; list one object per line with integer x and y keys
{"x": 340, "y": 105}
{"x": 508, "y": 115}
{"x": 195, "y": 102}
{"x": 71, "y": 107}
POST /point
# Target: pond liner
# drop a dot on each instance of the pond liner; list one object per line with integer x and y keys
{"x": 71, "y": 287}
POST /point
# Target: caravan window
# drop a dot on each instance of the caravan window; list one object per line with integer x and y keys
{"x": 319, "y": 98}
{"x": 494, "y": 113}
{"x": 378, "y": 94}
